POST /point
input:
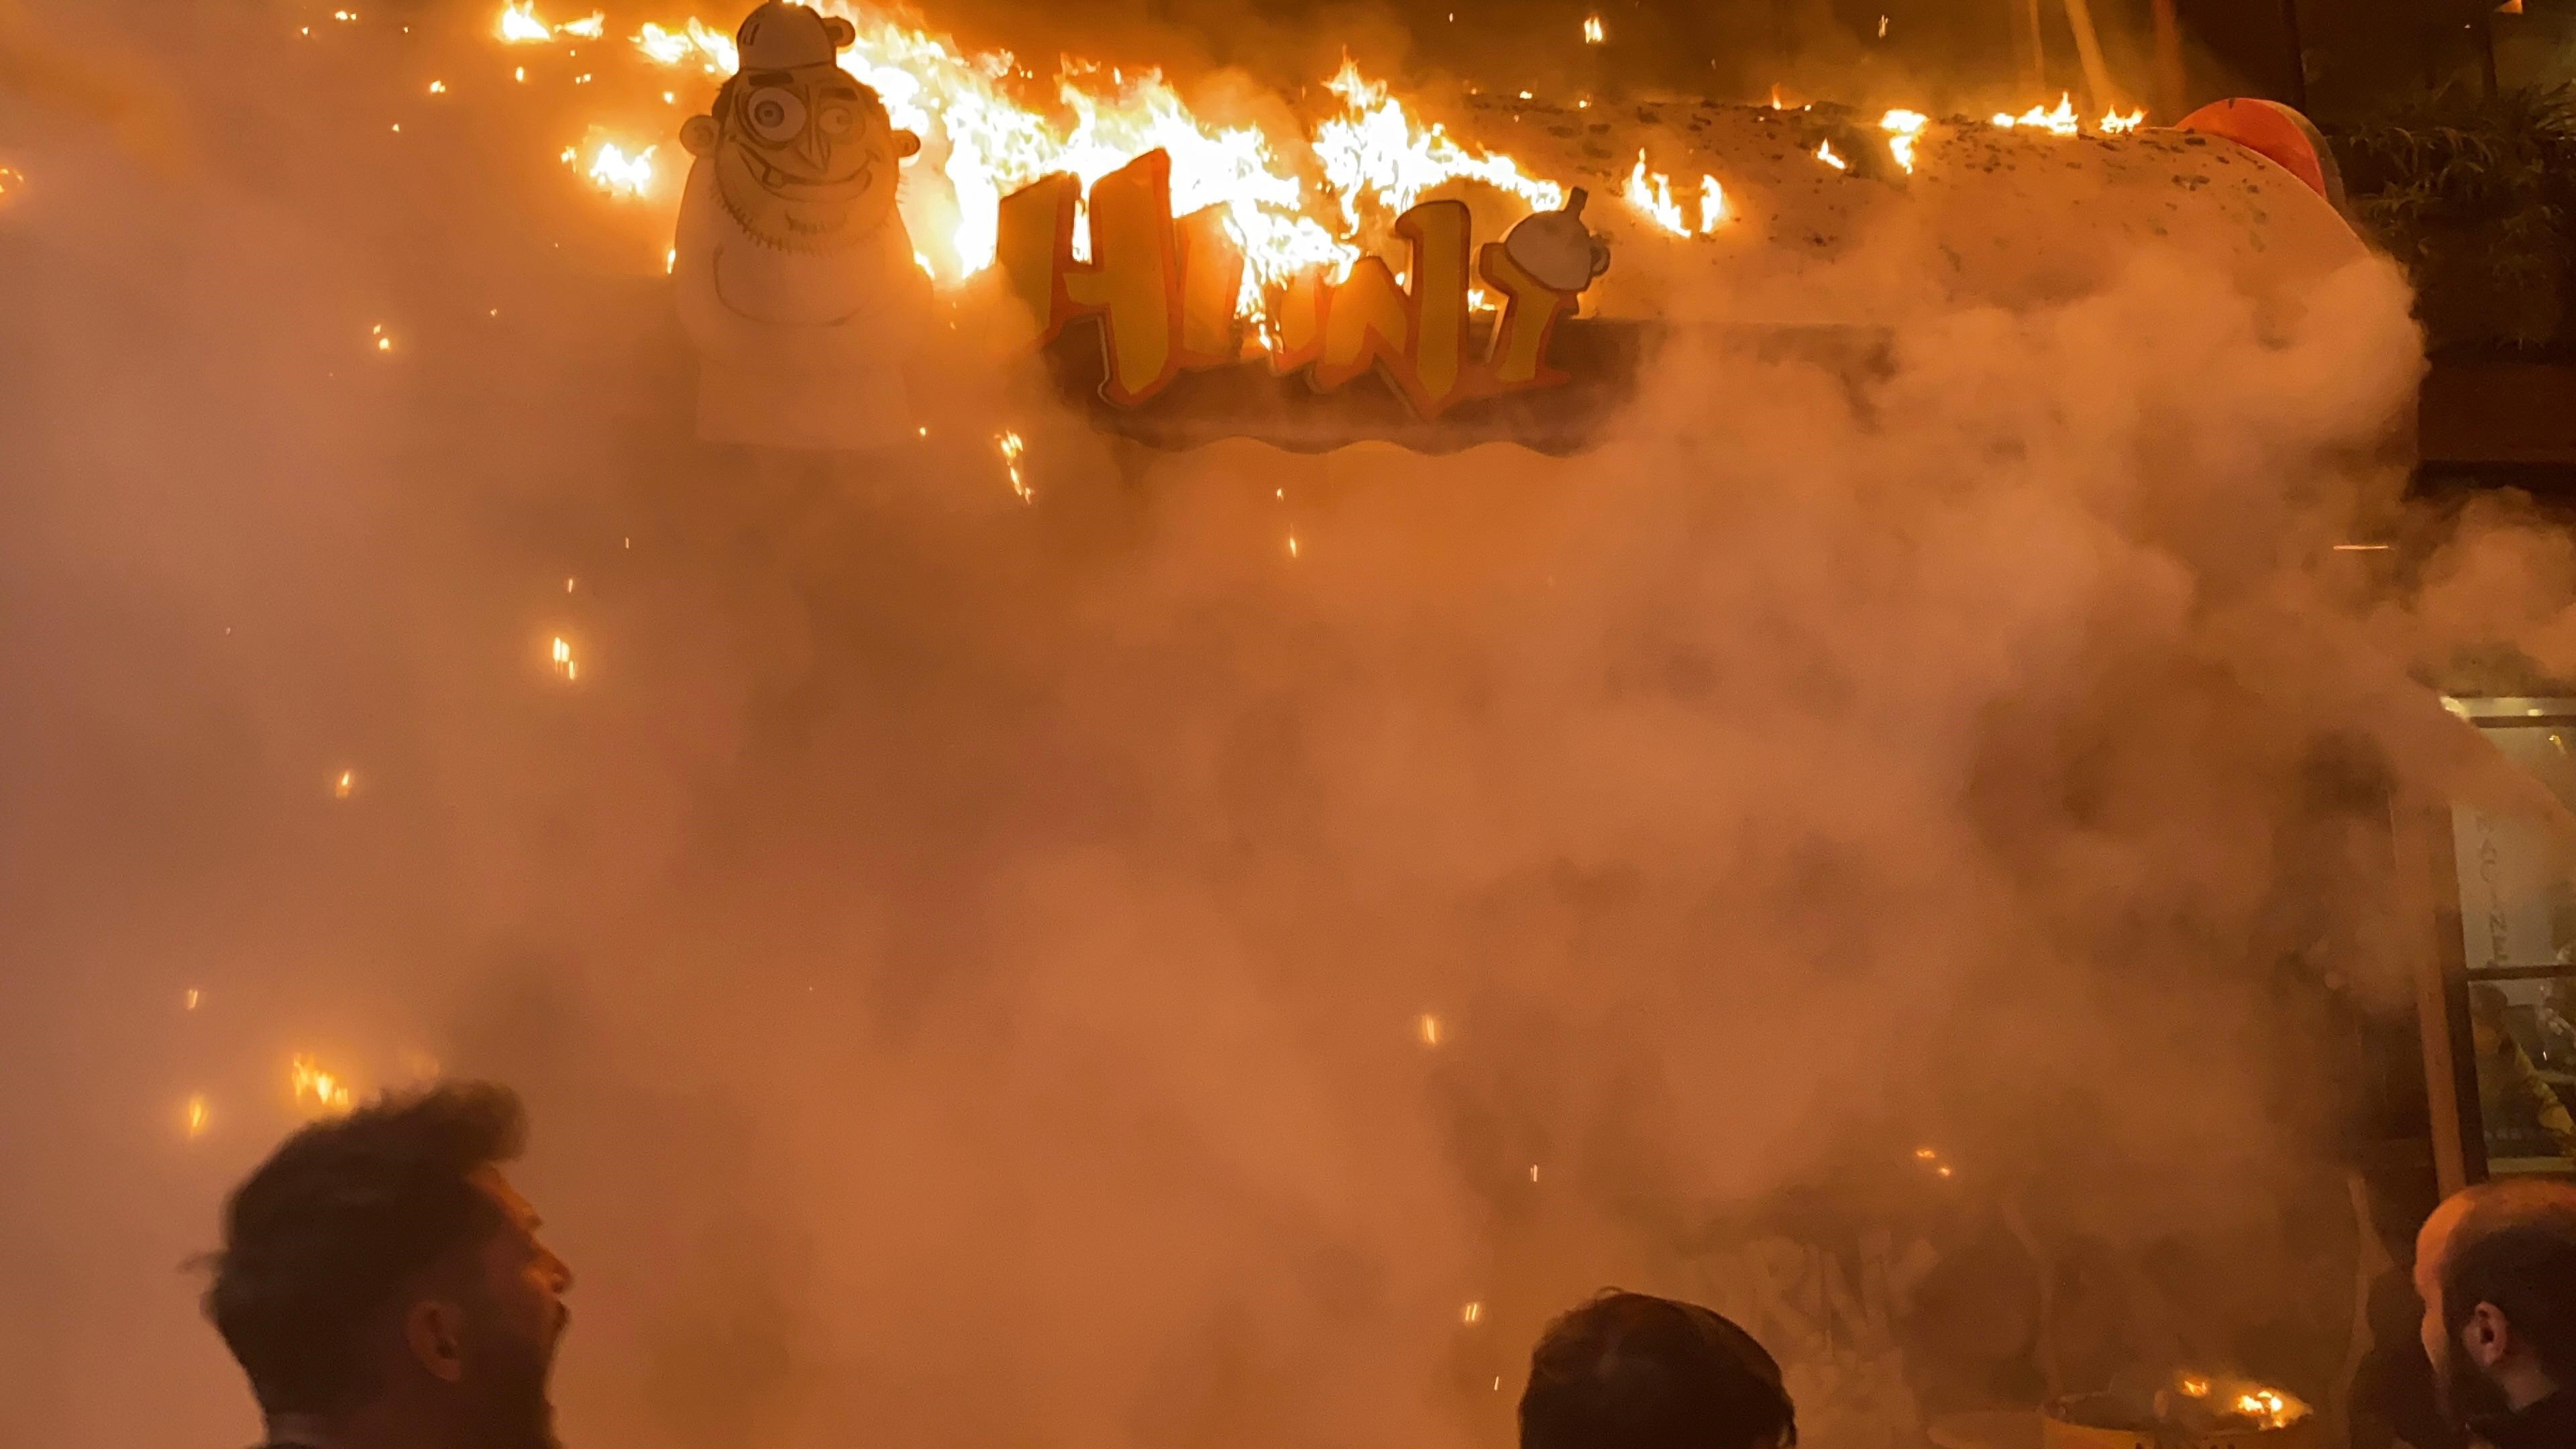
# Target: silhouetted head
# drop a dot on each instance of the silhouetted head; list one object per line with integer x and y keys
{"x": 378, "y": 1268}
{"x": 2496, "y": 1267}
{"x": 1629, "y": 1371}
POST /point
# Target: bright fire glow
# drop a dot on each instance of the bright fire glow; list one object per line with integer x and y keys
{"x": 520, "y": 25}
{"x": 990, "y": 126}
{"x": 1825, "y": 153}
{"x": 1375, "y": 149}
{"x": 565, "y": 664}
{"x": 1592, "y": 30}
{"x": 1712, "y": 205}
{"x": 317, "y": 1088}
{"x": 2269, "y": 1407}
{"x": 1426, "y": 1026}
{"x": 1904, "y": 129}
{"x": 2116, "y": 124}
{"x": 2060, "y": 122}
{"x": 713, "y": 49}
{"x": 347, "y": 782}
{"x": 1652, "y": 194}
{"x": 619, "y": 174}
{"x": 196, "y": 1117}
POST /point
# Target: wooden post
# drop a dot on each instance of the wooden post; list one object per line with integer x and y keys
{"x": 2428, "y": 907}
{"x": 2173, "y": 100}
{"x": 2088, "y": 50}
{"x": 2298, "y": 53}
{"x": 2034, "y": 45}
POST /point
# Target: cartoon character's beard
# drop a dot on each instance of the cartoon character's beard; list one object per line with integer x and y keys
{"x": 2464, "y": 1394}
{"x": 793, "y": 226}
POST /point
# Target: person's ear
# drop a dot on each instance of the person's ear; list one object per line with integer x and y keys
{"x": 2486, "y": 1337}
{"x": 698, "y": 135}
{"x": 841, "y": 31}
{"x": 434, "y": 1331}
{"x": 906, "y": 144}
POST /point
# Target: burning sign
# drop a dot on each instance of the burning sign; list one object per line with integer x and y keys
{"x": 1163, "y": 292}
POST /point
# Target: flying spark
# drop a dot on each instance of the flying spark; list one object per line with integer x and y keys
{"x": 1011, "y": 448}
{"x": 1592, "y": 30}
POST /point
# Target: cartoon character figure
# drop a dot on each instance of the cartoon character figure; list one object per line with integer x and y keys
{"x": 795, "y": 277}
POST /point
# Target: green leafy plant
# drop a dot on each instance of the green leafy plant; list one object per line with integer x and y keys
{"x": 2476, "y": 196}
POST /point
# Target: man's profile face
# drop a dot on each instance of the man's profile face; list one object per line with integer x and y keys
{"x": 514, "y": 1324}
{"x": 805, "y": 158}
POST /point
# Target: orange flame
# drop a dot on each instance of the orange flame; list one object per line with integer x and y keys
{"x": 317, "y": 1088}
{"x": 1904, "y": 131}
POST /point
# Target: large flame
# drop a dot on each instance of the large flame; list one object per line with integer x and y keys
{"x": 989, "y": 126}
{"x": 1904, "y": 132}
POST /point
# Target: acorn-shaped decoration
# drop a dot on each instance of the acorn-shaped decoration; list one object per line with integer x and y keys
{"x": 1557, "y": 248}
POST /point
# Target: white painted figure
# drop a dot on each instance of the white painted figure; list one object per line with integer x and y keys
{"x": 795, "y": 277}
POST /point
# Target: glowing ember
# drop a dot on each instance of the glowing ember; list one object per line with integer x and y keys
{"x": 1426, "y": 1026}
{"x": 1011, "y": 447}
{"x": 1825, "y": 153}
{"x": 1652, "y": 194}
{"x": 1904, "y": 130}
{"x": 341, "y": 788}
{"x": 565, "y": 665}
{"x": 317, "y": 1088}
{"x": 1592, "y": 30}
{"x": 1471, "y": 1313}
{"x": 2060, "y": 122}
{"x": 189, "y": 1001}
{"x": 10, "y": 181}
{"x": 196, "y": 1117}
{"x": 1712, "y": 205}
{"x": 2266, "y": 1407}
{"x": 619, "y": 174}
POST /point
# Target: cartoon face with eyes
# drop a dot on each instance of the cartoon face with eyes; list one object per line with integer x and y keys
{"x": 805, "y": 157}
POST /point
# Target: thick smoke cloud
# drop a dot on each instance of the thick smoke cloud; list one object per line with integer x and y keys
{"x": 971, "y": 963}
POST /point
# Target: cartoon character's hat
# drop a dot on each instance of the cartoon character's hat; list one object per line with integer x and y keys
{"x": 783, "y": 36}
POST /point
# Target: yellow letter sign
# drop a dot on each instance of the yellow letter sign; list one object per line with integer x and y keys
{"x": 1165, "y": 292}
